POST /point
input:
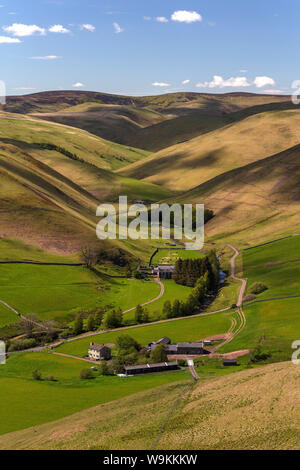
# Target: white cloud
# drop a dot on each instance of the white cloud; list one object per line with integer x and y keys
{"x": 24, "y": 88}
{"x": 243, "y": 71}
{"x": 162, "y": 19}
{"x": 118, "y": 28}
{"x": 147, "y": 18}
{"x": 161, "y": 84}
{"x": 78, "y": 85}
{"x": 19, "y": 29}
{"x": 88, "y": 27}
{"x": 185, "y": 82}
{"x": 273, "y": 92}
{"x": 184, "y": 16}
{"x": 260, "y": 82}
{"x": 7, "y": 40}
{"x": 59, "y": 28}
{"x": 219, "y": 82}
{"x": 46, "y": 57}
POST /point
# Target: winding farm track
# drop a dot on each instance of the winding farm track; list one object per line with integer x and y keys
{"x": 201, "y": 314}
{"x": 162, "y": 291}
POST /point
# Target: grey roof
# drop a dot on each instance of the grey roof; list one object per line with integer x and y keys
{"x": 164, "y": 269}
{"x": 165, "y": 340}
{"x": 190, "y": 345}
{"x": 97, "y": 347}
{"x": 151, "y": 366}
{"x": 172, "y": 347}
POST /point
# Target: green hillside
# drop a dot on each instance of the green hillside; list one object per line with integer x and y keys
{"x": 233, "y": 402}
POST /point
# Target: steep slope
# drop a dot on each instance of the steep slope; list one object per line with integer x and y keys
{"x": 236, "y": 411}
{"x": 253, "y": 202}
{"x": 189, "y": 164}
{"x": 51, "y": 181}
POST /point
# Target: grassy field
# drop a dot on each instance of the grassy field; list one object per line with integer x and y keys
{"x": 254, "y": 415}
{"x": 276, "y": 324}
{"x": 7, "y": 317}
{"x": 58, "y": 292}
{"x": 26, "y": 402}
{"x": 171, "y": 255}
{"x": 189, "y": 329}
{"x": 272, "y": 264}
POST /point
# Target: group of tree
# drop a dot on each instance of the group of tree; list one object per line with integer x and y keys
{"x": 188, "y": 271}
{"x": 194, "y": 301}
{"x": 141, "y": 314}
{"x": 113, "y": 319}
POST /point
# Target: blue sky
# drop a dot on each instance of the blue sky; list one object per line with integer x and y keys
{"x": 142, "y": 47}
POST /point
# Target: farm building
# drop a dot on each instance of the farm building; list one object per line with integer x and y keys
{"x": 164, "y": 272}
{"x": 230, "y": 362}
{"x": 165, "y": 340}
{"x": 187, "y": 349}
{"x": 151, "y": 368}
{"x": 98, "y": 352}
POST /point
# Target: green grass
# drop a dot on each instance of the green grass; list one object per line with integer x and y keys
{"x": 58, "y": 292}
{"x": 17, "y": 250}
{"x": 277, "y": 265}
{"x": 7, "y": 317}
{"x": 277, "y": 321}
{"x": 170, "y": 255}
{"x": 189, "y": 329}
{"x": 25, "y": 402}
{"x": 172, "y": 291}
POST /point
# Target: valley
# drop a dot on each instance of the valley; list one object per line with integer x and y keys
{"x": 64, "y": 153}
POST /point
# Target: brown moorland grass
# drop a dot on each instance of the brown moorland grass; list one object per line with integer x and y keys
{"x": 252, "y": 409}
{"x": 187, "y": 165}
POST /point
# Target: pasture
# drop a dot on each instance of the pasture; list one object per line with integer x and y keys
{"x": 59, "y": 292}
{"x": 26, "y": 402}
{"x": 171, "y": 255}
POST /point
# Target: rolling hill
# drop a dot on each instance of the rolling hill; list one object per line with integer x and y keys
{"x": 253, "y": 202}
{"x": 236, "y": 411}
{"x": 152, "y": 122}
{"x": 187, "y": 165}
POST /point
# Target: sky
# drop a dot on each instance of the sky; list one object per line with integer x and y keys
{"x": 148, "y": 47}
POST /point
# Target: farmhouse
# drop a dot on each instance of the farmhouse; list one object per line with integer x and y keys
{"x": 164, "y": 272}
{"x": 151, "y": 368}
{"x": 98, "y": 352}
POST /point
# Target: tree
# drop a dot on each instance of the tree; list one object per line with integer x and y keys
{"x": 126, "y": 344}
{"x": 176, "y": 308}
{"x": 139, "y": 314}
{"x": 167, "y": 310}
{"x": 159, "y": 354}
{"x": 78, "y": 325}
{"x": 91, "y": 323}
{"x": 104, "y": 369}
{"x": 88, "y": 256}
{"x": 86, "y": 374}
{"x": 113, "y": 319}
{"x": 36, "y": 375}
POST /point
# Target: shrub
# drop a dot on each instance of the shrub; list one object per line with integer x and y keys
{"x": 249, "y": 297}
{"x": 86, "y": 374}
{"x": 36, "y": 375}
{"x": 181, "y": 363}
{"x": 257, "y": 288}
{"x": 21, "y": 344}
{"x": 50, "y": 378}
{"x": 104, "y": 369}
